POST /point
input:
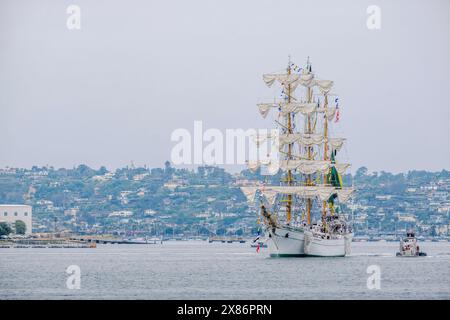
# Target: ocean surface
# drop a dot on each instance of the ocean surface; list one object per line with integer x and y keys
{"x": 200, "y": 270}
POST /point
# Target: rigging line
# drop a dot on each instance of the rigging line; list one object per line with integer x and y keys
{"x": 328, "y": 94}
{"x": 281, "y": 124}
{"x": 296, "y": 156}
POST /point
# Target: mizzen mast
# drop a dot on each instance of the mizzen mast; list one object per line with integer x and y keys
{"x": 325, "y": 152}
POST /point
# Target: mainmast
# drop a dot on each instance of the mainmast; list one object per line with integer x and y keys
{"x": 289, "y": 155}
{"x": 309, "y": 180}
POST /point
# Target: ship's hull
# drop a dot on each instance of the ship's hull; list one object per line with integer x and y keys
{"x": 286, "y": 241}
{"x": 318, "y": 247}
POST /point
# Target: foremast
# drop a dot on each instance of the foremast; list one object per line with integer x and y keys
{"x": 310, "y": 149}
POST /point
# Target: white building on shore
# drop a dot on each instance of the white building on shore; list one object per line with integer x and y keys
{"x": 10, "y": 213}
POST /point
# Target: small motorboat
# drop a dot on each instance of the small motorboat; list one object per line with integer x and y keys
{"x": 409, "y": 247}
{"x": 261, "y": 244}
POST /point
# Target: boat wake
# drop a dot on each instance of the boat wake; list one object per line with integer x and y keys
{"x": 371, "y": 255}
{"x": 441, "y": 255}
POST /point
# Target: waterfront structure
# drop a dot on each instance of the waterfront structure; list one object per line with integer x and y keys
{"x": 10, "y": 213}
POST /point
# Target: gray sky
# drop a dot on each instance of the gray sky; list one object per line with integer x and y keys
{"x": 114, "y": 91}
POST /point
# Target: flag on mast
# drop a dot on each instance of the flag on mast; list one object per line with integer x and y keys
{"x": 337, "y": 109}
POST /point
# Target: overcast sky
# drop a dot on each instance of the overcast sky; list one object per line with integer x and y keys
{"x": 114, "y": 91}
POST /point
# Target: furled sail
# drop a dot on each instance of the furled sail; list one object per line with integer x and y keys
{"x": 324, "y": 85}
{"x": 305, "y": 166}
{"x": 341, "y": 167}
{"x": 272, "y": 166}
{"x": 336, "y": 143}
{"x": 344, "y": 194}
{"x": 283, "y": 78}
{"x": 270, "y": 195}
{"x": 264, "y": 108}
{"x": 300, "y": 165}
{"x": 291, "y": 107}
{"x": 305, "y": 79}
{"x": 253, "y": 165}
{"x": 289, "y": 138}
{"x": 288, "y": 81}
{"x": 249, "y": 193}
{"x": 305, "y": 139}
{"x": 321, "y": 192}
{"x": 296, "y": 107}
{"x": 329, "y": 112}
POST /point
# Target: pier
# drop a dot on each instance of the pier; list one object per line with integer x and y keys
{"x": 112, "y": 240}
{"x": 45, "y": 243}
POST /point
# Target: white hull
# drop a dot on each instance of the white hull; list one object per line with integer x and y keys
{"x": 409, "y": 247}
{"x": 286, "y": 241}
{"x": 318, "y": 247}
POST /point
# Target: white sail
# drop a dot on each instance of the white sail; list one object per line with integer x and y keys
{"x": 272, "y": 168}
{"x": 304, "y": 139}
{"x": 296, "y": 107}
{"x": 324, "y": 85}
{"x": 309, "y": 139}
{"x": 307, "y": 79}
{"x": 306, "y": 166}
{"x": 341, "y": 167}
{"x": 323, "y": 193}
{"x": 284, "y": 79}
{"x": 264, "y": 108}
{"x": 272, "y": 165}
{"x": 293, "y": 80}
{"x": 254, "y": 165}
{"x": 300, "y": 165}
{"x": 344, "y": 194}
{"x": 249, "y": 193}
{"x": 270, "y": 195}
{"x": 336, "y": 143}
{"x": 329, "y": 112}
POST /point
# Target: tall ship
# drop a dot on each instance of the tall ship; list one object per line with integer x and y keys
{"x": 300, "y": 205}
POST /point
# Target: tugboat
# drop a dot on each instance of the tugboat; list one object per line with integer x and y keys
{"x": 409, "y": 247}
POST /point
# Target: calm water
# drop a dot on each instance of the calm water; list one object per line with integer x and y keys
{"x": 199, "y": 270}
